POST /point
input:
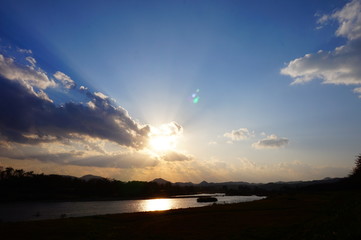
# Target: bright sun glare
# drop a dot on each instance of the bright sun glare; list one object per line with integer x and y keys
{"x": 157, "y": 204}
{"x": 165, "y": 137}
{"x": 162, "y": 143}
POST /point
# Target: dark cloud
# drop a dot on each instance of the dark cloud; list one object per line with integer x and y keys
{"x": 27, "y": 118}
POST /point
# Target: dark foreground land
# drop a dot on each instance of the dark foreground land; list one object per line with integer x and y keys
{"x": 326, "y": 215}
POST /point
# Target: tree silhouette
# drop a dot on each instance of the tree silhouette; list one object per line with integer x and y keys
{"x": 356, "y": 172}
{"x": 9, "y": 172}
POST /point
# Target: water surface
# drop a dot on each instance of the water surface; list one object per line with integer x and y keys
{"x": 25, "y": 211}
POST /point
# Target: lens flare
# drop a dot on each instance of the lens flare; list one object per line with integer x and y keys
{"x": 195, "y": 97}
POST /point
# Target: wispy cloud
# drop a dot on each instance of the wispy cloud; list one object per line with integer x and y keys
{"x": 349, "y": 19}
{"x": 31, "y": 60}
{"x": 340, "y": 66}
{"x": 27, "y": 51}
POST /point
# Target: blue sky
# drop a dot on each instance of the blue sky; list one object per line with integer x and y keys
{"x": 121, "y": 74}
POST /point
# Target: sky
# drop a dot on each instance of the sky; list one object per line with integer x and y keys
{"x": 255, "y": 91}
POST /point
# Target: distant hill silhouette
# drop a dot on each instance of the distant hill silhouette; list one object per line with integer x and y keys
{"x": 203, "y": 183}
{"x": 91, "y": 177}
{"x": 160, "y": 181}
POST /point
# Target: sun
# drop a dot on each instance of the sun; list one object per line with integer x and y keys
{"x": 165, "y": 137}
{"x": 162, "y": 143}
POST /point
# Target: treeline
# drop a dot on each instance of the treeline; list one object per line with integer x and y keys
{"x": 18, "y": 185}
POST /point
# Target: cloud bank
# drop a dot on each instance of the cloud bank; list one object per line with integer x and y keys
{"x": 340, "y": 66}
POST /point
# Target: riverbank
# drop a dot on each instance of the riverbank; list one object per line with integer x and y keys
{"x": 331, "y": 215}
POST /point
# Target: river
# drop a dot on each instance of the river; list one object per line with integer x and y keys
{"x": 29, "y": 211}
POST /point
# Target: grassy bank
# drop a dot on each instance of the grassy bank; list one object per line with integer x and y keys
{"x": 332, "y": 215}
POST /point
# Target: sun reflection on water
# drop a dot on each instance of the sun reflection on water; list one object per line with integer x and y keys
{"x": 157, "y": 205}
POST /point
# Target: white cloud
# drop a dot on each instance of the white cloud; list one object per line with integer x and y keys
{"x": 82, "y": 88}
{"x": 101, "y": 95}
{"x": 237, "y": 135}
{"x": 349, "y": 18}
{"x": 271, "y": 141}
{"x": 31, "y": 60}
{"x": 64, "y": 79}
{"x": 41, "y": 94}
{"x": 28, "y": 76}
{"x": 340, "y": 66}
{"x": 358, "y": 90}
{"x": 91, "y": 105}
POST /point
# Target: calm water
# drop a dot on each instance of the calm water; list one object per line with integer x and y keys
{"x": 25, "y": 211}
